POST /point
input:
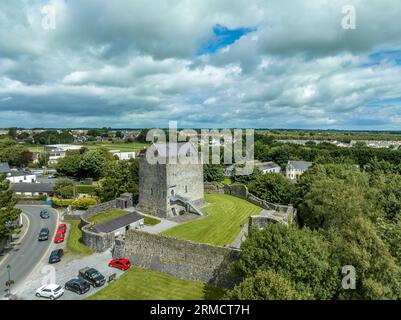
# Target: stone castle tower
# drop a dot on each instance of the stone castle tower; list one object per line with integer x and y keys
{"x": 170, "y": 188}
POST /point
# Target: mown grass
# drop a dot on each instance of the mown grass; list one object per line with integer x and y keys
{"x": 85, "y": 188}
{"x": 107, "y": 215}
{"x": 74, "y": 240}
{"x": 226, "y": 214}
{"x": 143, "y": 284}
{"x": 151, "y": 221}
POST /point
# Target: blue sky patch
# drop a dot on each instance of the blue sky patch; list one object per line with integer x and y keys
{"x": 222, "y": 37}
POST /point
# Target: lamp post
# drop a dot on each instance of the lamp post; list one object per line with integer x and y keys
{"x": 9, "y": 282}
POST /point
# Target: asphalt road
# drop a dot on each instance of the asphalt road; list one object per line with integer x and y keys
{"x": 26, "y": 256}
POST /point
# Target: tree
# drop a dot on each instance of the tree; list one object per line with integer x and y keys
{"x": 213, "y": 172}
{"x": 302, "y": 256}
{"x": 267, "y": 285}
{"x": 273, "y": 187}
{"x": 8, "y": 214}
{"x": 64, "y": 188}
{"x": 119, "y": 179}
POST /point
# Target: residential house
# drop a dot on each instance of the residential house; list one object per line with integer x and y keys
{"x": 123, "y": 155}
{"x": 32, "y": 189}
{"x": 296, "y": 168}
{"x": 268, "y": 167}
{"x": 21, "y": 177}
{"x": 59, "y": 151}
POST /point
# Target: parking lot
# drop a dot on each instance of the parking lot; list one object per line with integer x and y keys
{"x": 63, "y": 271}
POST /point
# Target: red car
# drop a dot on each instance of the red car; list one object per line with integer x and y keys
{"x": 122, "y": 264}
{"x": 59, "y": 237}
{"x": 62, "y": 228}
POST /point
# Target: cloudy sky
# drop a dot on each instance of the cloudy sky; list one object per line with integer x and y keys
{"x": 203, "y": 63}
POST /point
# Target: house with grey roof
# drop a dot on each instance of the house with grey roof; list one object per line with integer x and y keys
{"x": 32, "y": 189}
{"x": 295, "y": 169}
{"x": 268, "y": 167}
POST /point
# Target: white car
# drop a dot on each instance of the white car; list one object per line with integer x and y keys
{"x": 52, "y": 291}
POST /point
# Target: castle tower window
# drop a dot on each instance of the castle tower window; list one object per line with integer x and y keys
{"x": 186, "y": 189}
{"x": 151, "y": 191}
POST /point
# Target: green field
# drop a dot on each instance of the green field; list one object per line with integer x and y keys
{"x": 122, "y": 146}
{"x": 223, "y": 223}
{"x": 74, "y": 240}
{"x": 107, "y": 215}
{"x": 131, "y": 146}
{"x": 151, "y": 221}
{"x": 142, "y": 284}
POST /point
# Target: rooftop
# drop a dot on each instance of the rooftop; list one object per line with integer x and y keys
{"x": 4, "y": 167}
{"x": 119, "y": 222}
{"x": 31, "y": 187}
{"x": 301, "y": 165}
{"x": 266, "y": 165}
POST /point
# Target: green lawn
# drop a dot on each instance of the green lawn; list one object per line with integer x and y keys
{"x": 85, "y": 188}
{"x": 151, "y": 221}
{"x": 107, "y": 215}
{"x": 223, "y": 223}
{"x": 143, "y": 284}
{"x": 74, "y": 240}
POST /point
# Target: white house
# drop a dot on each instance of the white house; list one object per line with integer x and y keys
{"x": 21, "y": 177}
{"x": 295, "y": 169}
{"x": 59, "y": 151}
{"x": 123, "y": 155}
{"x": 268, "y": 167}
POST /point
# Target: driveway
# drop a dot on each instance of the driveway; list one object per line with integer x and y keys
{"x": 24, "y": 258}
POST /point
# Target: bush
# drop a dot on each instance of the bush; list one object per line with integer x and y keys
{"x": 84, "y": 203}
{"x": 81, "y": 203}
{"x": 57, "y": 202}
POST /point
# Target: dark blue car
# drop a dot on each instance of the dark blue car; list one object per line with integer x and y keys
{"x": 56, "y": 255}
{"x": 44, "y": 214}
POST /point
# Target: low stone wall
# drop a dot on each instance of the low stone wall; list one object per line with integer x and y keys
{"x": 30, "y": 202}
{"x": 180, "y": 258}
{"x": 100, "y": 208}
{"x": 98, "y": 241}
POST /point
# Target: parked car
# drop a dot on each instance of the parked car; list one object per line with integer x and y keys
{"x": 78, "y": 286}
{"x": 52, "y": 291}
{"x": 62, "y": 228}
{"x": 59, "y": 238}
{"x": 91, "y": 275}
{"x": 44, "y": 234}
{"x": 122, "y": 264}
{"x": 56, "y": 255}
{"x": 44, "y": 214}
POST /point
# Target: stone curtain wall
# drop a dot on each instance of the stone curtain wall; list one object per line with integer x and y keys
{"x": 180, "y": 258}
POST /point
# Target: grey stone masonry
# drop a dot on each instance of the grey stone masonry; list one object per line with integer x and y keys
{"x": 161, "y": 181}
{"x": 180, "y": 258}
